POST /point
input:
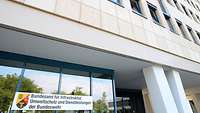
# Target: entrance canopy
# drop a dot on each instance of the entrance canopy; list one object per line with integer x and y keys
{"x": 128, "y": 70}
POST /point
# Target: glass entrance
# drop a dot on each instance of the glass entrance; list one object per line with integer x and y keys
{"x": 129, "y": 101}
{"x": 49, "y": 77}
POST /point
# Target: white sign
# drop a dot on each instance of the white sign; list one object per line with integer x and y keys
{"x": 37, "y": 101}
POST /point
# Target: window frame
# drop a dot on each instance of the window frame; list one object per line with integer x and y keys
{"x": 168, "y": 19}
{"x": 153, "y": 12}
{"x": 48, "y": 62}
{"x": 138, "y": 6}
{"x": 117, "y": 2}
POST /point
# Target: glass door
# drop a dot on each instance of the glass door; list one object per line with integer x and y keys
{"x": 125, "y": 105}
{"x": 129, "y": 101}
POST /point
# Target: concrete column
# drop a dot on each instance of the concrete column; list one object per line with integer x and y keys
{"x": 145, "y": 9}
{"x": 176, "y": 86}
{"x": 164, "y": 2}
{"x": 175, "y": 25}
{"x": 161, "y": 17}
{"x": 147, "y": 102}
{"x": 196, "y": 102}
{"x": 160, "y": 94}
{"x": 187, "y": 33}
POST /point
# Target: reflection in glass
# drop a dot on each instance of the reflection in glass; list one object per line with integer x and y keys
{"x": 75, "y": 83}
{"x": 40, "y": 79}
{"x": 102, "y": 94}
{"x": 9, "y": 77}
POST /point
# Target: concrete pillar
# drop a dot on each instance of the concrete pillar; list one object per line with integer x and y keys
{"x": 196, "y": 102}
{"x": 161, "y": 17}
{"x": 164, "y": 2}
{"x": 145, "y": 9}
{"x": 160, "y": 94}
{"x": 187, "y": 33}
{"x": 175, "y": 25}
{"x": 176, "y": 86}
{"x": 147, "y": 102}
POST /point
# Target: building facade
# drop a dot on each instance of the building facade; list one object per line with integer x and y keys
{"x": 130, "y": 56}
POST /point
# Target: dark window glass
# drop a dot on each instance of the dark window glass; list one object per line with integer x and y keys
{"x": 135, "y": 6}
{"x": 191, "y": 34}
{"x": 181, "y": 29}
{"x": 188, "y": 1}
{"x": 198, "y": 18}
{"x": 185, "y": 10}
{"x": 176, "y": 3}
{"x": 198, "y": 7}
{"x": 193, "y": 106}
{"x": 198, "y": 34}
{"x": 193, "y": 4}
{"x": 192, "y": 15}
{"x": 153, "y": 13}
{"x": 170, "y": 26}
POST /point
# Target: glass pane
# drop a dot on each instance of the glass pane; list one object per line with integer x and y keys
{"x": 135, "y": 5}
{"x": 102, "y": 92}
{"x": 127, "y": 105}
{"x": 38, "y": 80}
{"x": 75, "y": 83}
{"x": 9, "y": 77}
{"x": 119, "y": 105}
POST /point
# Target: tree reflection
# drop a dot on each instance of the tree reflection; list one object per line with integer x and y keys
{"x": 8, "y": 85}
{"x": 100, "y": 106}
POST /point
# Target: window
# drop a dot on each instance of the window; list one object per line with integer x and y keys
{"x": 169, "y": 23}
{"x": 40, "y": 79}
{"x": 193, "y": 4}
{"x": 198, "y": 18}
{"x": 53, "y": 77}
{"x": 188, "y": 2}
{"x": 75, "y": 82}
{"x": 177, "y": 5}
{"x": 193, "y": 106}
{"x": 181, "y": 29}
{"x": 10, "y": 72}
{"x": 191, "y": 33}
{"x": 198, "y": 34}
{"x": 135, "y": 6}
{"x": 153, "y": 12}
{"x": 197, "y": 7}
{"x": 116, "y": 1}
{"x": 185, "y": 10}
{"x": 192, "y": 15}
{"x": 102, "y": 92}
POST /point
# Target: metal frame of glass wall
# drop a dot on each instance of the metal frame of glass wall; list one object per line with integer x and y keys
{"x": 61, "y": 65}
